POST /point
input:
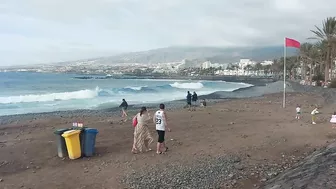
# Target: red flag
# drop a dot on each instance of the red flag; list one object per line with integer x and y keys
{"x": 292, "y": 43}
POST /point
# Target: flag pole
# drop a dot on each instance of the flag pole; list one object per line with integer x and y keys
{"x": 284, "y": 76}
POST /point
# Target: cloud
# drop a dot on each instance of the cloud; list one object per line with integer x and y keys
{"x": 39, "y": 31}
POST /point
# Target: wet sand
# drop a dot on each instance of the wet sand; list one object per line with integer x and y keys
{"x": 255, "y": 137}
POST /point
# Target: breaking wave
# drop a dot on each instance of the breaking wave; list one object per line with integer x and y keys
{"x": 160, "y": 90}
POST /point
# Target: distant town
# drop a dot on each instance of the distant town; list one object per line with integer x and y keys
{"x": 245, "y": 67}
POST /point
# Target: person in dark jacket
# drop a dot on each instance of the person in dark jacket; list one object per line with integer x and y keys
{"x": 123, "y": 107}
{"x": 189, "y": 100}
{"x": 194, "y": 99}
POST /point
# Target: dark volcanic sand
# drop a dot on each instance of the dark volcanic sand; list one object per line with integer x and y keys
{"x": 238, "y": 143}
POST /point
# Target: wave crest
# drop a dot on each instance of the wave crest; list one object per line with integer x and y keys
{"x": 177, "y": 87}
{"x": 81, "y": 94}
{"x": 198, "y": 85}
{"x": 136, "y": 88}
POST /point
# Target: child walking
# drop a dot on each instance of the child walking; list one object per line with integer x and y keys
{"x": 333, "y": 120}
{"x": 313, "y": 113}
{"x": 298, "y": 112}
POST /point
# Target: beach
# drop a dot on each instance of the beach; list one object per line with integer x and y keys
{"x": 236, "y": 143}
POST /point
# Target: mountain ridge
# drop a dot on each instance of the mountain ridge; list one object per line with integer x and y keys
{"x": 213, "y": 54}
{"x": 193, "y": 54}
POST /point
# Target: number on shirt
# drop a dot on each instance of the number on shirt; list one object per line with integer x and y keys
{"x": 158, "y": 121}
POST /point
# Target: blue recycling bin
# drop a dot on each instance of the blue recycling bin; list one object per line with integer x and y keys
{"x": 89, "y": 141}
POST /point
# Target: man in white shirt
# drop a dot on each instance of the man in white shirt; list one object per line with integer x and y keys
{"x": 160, "y": 120}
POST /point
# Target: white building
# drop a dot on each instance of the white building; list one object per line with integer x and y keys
{"x": 206, "y": 65}
{"x": 188, "y": 64}
{"x": 244, "y": 62}
{"x": 216, "y": 65}
{"x": 266, "y": 63}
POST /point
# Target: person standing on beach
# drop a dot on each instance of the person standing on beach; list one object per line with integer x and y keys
{"x": 142, "y": 136}
{"x": 298, "y": 112}
{"x": 123, "y": 107}
{"x": 313, "y": 113}
{"x": 194, "y": 99}
{"x": 333, "y": 120}
{"x": 160, "y": 120}
{"x": 203, "y": 103}
{"x": 189, "y": 100}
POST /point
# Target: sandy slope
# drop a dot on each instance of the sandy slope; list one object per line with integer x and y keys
{"x": 315, "y": 171}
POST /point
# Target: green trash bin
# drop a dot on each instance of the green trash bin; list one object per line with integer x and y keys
{"x": 61, "y": 146}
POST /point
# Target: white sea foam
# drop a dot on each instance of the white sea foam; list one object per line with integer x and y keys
{"x": 81, "y": 94}
{"x": 156, "y": 80}
{"x": 136, "y": 88}
{"x": 197, "y": 85}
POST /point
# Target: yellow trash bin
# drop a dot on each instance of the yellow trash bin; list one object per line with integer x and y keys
{"x": 73, "y": 144}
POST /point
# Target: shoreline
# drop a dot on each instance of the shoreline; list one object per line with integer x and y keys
{"x": 113, "y": 111}
{"x": 255, "y": 81}
{"x": 212, "y": 98}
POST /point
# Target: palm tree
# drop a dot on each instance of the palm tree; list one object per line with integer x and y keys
{"x": 305, "y": 53}
{"x": 321, "y": 47}
{"x": 312, "y": 54}
{"x": 327, "y": 33}
{"x": 267, "y": 69}
{"x": 276, "y": 67}
{"x": 291, "y": 65}
{"x": 258, "y": 67}
{"x": 248, "y": 68}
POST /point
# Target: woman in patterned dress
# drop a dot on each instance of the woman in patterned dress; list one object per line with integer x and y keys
{"x": 142, "y": 136}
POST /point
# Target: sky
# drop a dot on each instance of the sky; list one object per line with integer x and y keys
{"x": 45, "y": 31}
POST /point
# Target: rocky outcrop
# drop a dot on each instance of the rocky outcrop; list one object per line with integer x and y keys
{"x": 317, "y": 171}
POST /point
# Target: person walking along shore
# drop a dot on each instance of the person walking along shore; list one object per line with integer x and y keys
{"x": 124, "y": 106}
{"x": 194, "y": 99}
{"x": 189, "y": 100}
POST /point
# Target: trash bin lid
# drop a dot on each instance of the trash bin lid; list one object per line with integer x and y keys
{"x": 61, "y": 131}
{"x": 70, "y": 133}
{"x": 91, "y": 130}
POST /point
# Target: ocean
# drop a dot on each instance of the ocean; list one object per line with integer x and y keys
{"x": 25, "y": 92}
